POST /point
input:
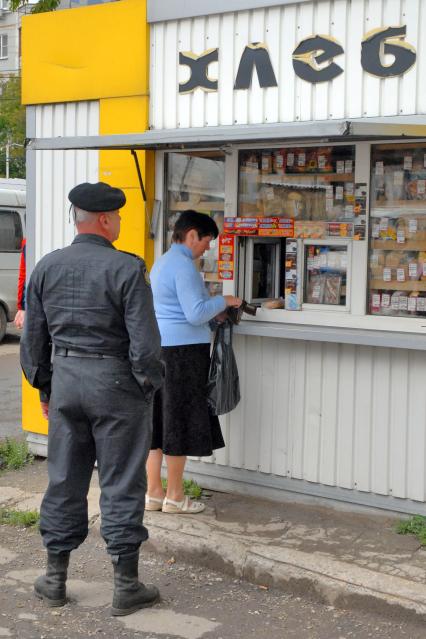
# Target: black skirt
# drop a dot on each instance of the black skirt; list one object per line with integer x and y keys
{"x": 183, "y": 424}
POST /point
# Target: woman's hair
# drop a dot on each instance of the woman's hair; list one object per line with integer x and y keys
{"x": 191, "y": 220}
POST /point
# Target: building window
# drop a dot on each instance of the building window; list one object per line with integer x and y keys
{"x": 4, "y": 4}
{"x": 3, "y": 47}
{"x": 10, "y": 232}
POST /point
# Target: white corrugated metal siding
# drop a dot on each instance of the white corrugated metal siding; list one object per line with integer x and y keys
{"x": 58, "y": 171}
{"x": 338, "y": 415}
{"x": 353, "y": 94}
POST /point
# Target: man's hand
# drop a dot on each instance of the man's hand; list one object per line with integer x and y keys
{"x": 19, "y": 319}
{"x": 45, "y": 409}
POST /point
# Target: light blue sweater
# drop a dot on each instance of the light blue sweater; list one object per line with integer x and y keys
{"x": 182, "y": 304}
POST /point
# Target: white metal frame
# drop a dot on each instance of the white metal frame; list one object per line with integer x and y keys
{"x": 249, "y": 260}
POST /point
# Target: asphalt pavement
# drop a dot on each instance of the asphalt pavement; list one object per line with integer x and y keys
{"x": 10, "y": 385}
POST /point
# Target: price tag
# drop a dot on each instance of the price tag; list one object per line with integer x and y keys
{"x": 384, "y": 223}
{"x": 398, "y": 178}
{"x": 349, "y": 186}
{"x": 290, "y": 159}
{"x": 387, "y": 274}
{"x": 403, "y": 303}
{"x": 408, "y": 162}
{"x": 411, "y": 306}
{"x": 340, "y": 166}
{"x": 421, "y": 187}
{"x": 412, "y": 269}
{"x": 321, "y": 161}
{"x": 379, "y": 169}
{"x": 412, "y": 226}
{"x": 421, "y": 304}
{"x": 385, "y": 300}
{"x": 301, "y": 160}
{"x": 348, "y": 166}
{"x": 400, "y": 236}
{"x": 395, "y": 302}
{"x": 376, "y": 300}
{"x": 339, "y": 192}
{"x": 400, "y": 274}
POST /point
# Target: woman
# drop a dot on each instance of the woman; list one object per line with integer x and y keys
{"x": 183, "y": 424}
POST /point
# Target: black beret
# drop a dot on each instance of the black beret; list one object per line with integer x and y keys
{"x": 97, "y": 198}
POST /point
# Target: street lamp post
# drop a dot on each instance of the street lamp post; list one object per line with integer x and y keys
{"x": 7, "y": 147}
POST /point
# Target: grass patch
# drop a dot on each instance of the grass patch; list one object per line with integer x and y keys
{"x": 414, "y": 526}
{"x": 190, "y": 488}
{"x": 20, "y": 518}
{"x": 14, "y": 454}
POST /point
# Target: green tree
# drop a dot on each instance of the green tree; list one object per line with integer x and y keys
{"x": 39, "y": 7}
{"x": 12, "y": 127}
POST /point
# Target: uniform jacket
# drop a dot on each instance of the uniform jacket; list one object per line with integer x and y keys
{"x": 93, "y": 298}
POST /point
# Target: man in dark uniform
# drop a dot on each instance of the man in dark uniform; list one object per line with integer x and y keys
{"x": 92, "y": 305}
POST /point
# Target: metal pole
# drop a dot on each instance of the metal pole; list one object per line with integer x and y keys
{"x": 7, "y": 159}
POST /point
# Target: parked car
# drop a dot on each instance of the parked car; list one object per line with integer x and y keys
{"x": 12, "y": 232}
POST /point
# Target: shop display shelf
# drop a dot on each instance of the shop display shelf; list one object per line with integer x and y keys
{"x": 392, "y": 245}
{"x": 398, "y": 286}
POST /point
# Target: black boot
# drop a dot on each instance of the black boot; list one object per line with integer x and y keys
{"x": 129, "y": 594}
{"x": 51, "y": 586}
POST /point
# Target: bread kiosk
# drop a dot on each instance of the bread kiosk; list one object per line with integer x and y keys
{"x": 300, "y": 127}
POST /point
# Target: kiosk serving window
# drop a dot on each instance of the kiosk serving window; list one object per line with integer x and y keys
{"x": 397, "y": 256}
{"x": 297, "y": 209}
{"x": 196, "y": 180}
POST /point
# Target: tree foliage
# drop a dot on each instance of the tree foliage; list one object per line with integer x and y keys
{"x": 39, "y": 7}
{"x": 12, "y": 127}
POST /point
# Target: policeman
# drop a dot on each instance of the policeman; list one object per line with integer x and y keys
{"x": 92, "y": 305}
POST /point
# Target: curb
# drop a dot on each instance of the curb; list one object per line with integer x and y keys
{"x": 327, "y": 580}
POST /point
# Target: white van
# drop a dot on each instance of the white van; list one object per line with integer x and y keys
{"x": 12, "y": 232}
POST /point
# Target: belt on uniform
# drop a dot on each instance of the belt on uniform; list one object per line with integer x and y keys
{"x": 70, "y": 352}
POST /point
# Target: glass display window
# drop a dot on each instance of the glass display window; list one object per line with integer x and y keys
{"x": 325, "y": 274}
{"x": 397, "y": 251}
{"x": 313, "y": 186}
{"x": 196, "y": 180}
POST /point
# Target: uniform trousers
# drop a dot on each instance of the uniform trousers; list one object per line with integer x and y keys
{"x": 97, "y": 411}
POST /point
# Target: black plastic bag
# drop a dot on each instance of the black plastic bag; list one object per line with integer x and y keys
{"x": 223, "y": 385}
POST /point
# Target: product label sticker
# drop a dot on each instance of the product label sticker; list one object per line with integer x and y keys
{"x": 387, "y": 274}
{"x": 411, "y": 306}
{"x": 348, "y": 166}
{"x": 408, "y": 162}
{"x": 398, "y": 178}
{"x": 412, "y": 269}
{"x": 339, "y": 192}
{"x": 403, "y": 303}
{"x": 279, "y": 161}
{"x": 384, "y": 223}
{"x": 225, "y": 265}
{"x": 349, "y": 188}
{"x": 321, "y": 161}
{"x": 385, "y": 300}
{"x": 340, "y": 166}
{"x": 290, "y": 159}
{"x": 400, "y": 274}
{"x": 349, "y": 210}
{"x": 375, "y": 231}
{"x": 376, "y": 300}
{"x": 400, "y": 236}
{"x": 412, "y": 225}
{"x": 421, "y": 187}
{"x": 379, "y": 168}
{"x": 301, "y": 159}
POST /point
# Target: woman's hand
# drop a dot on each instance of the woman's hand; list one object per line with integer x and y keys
{"x": 221, "y": 317}
{"x": 233, "y": 301}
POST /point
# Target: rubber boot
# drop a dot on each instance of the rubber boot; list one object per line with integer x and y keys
{"x": 51, "y": 586}
{"x": 129, "y": 594}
